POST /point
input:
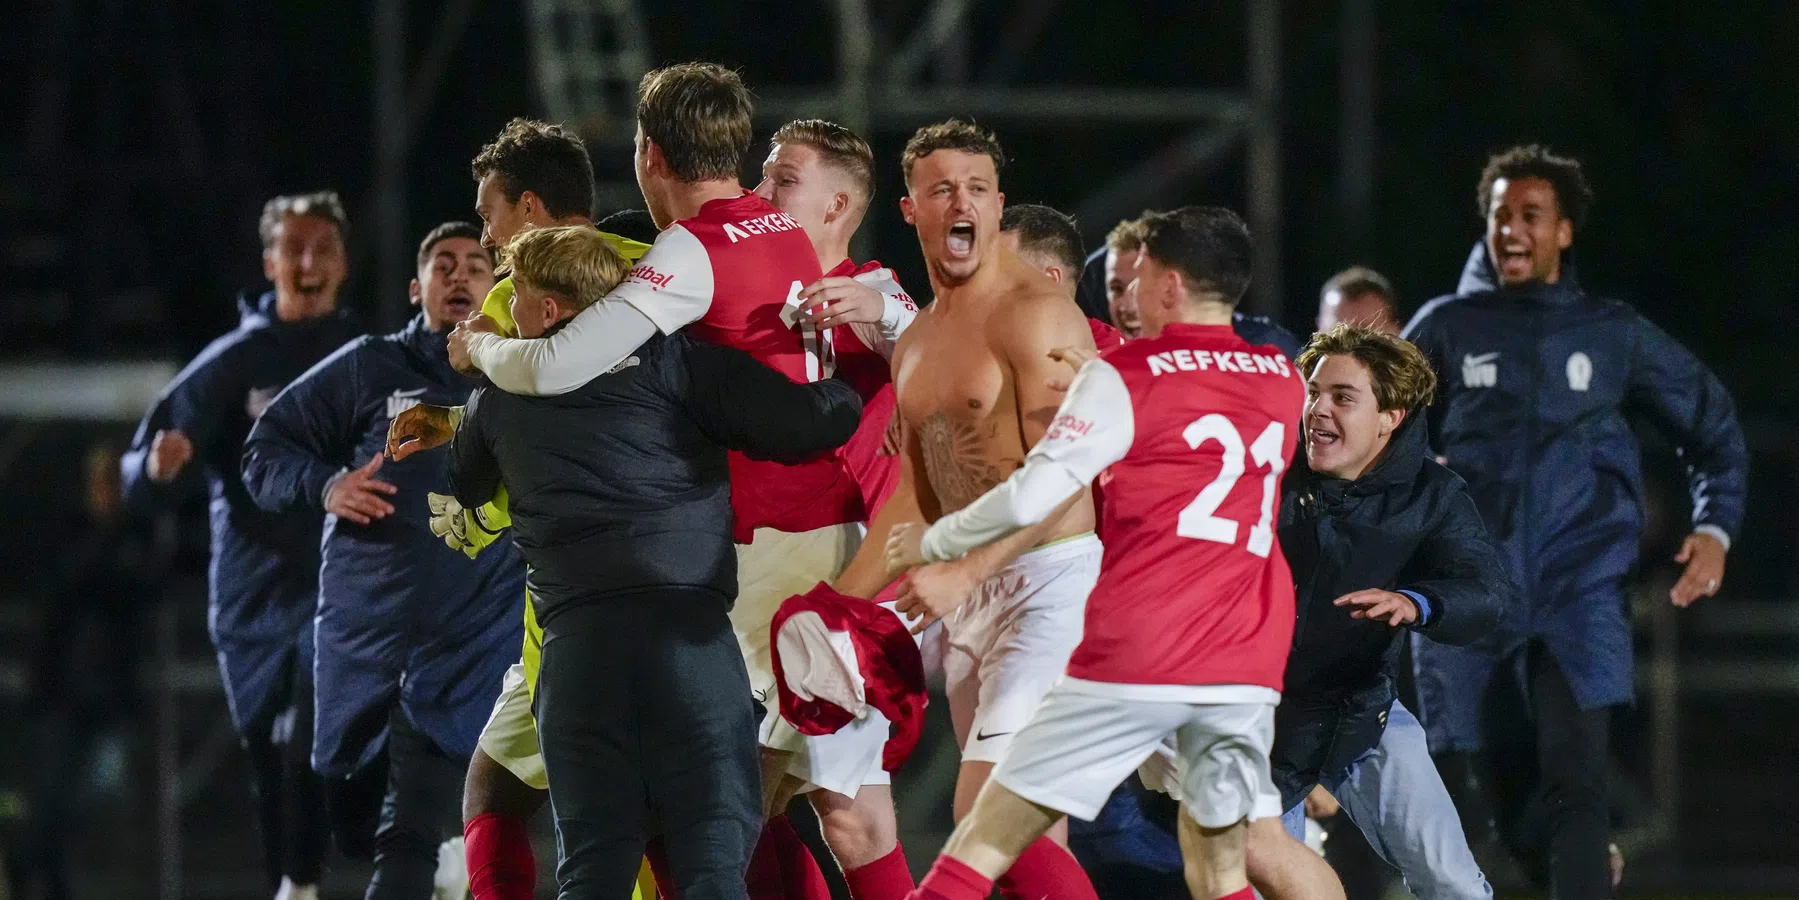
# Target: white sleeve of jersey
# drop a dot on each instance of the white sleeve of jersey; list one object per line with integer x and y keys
{"x": 670, "y": 287}
{"x": 1093, "y": 429}
{"x": 897, "y": 313}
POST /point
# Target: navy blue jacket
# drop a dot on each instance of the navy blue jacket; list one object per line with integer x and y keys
{"x": 1536, "y": 390}
{"x": 1406, "y": 525}
{"x": 402, "y": 618}
{"x": 263, "y": 579}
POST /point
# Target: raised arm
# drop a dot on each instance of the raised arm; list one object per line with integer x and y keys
{"x": 670, "y": 287}
{"x": 746, "y": 406}
{"x": 306, "y": 436}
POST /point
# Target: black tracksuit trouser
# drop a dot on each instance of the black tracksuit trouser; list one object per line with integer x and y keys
{"x": 1548, "y": 759}
{"x": 422, "y": 808}
{"x": 647, "y": 728}
{"x": 290, "y": 796}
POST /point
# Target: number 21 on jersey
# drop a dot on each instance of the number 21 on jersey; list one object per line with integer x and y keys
{"x": 1198, "y": 521}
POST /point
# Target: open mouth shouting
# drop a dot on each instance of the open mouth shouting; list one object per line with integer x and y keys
{"x": 959, "y": 242}
{"x": 1514, "y": 261}
{"x": 459, "y": 304}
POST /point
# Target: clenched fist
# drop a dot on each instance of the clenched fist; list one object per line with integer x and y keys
{"x": 356, "y": 495}
{"x": 457, "y": 344}
{"x": 421, "y": 428}
{"x": 170, "y": 451}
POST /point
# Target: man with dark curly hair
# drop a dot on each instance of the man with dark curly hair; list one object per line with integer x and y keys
{"x": 1538, "y": 378}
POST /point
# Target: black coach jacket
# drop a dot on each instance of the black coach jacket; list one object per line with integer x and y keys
{"x": 622, "y": 484}
{"x": 1409, "y": 525}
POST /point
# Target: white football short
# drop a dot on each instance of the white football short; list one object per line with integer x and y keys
{"x": 510, "y": 735}
{"x": 1087, "y": 737}
{"x": 776, "y": 566}
{"x": 1009, "y": 644}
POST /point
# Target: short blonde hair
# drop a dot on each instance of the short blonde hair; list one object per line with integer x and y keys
{"x": 1402, "y": 377}
{"x": 574, "y": 262}
{"x": 1128, "y": 234}
{"x": 837, "y": 146}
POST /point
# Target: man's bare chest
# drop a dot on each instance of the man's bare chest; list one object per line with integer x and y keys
{"x": 953, "y": 375}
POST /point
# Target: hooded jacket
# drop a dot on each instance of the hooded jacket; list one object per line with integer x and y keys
{"x": 1537, "y": 390}
{"x": 1407, "y": 525}
{"x": 263, "y": 579}
{"x": 402, "y": 618}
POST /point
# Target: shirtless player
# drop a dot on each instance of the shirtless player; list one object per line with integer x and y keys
{"x": 972, "y": 376}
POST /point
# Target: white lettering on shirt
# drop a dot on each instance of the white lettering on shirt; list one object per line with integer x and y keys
{"x": 1240, "y": 362}
{"x": 773, "y": 223}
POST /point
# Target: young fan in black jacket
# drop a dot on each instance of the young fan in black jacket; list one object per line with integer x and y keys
{"x": 620, "y": 503}
{"x": 1380, "y": 538}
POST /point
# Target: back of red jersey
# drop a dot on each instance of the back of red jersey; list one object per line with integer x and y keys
{"x": 759, "y": 258}
{"x": 743, "y": 261}
{"x": 1194, "y": 589}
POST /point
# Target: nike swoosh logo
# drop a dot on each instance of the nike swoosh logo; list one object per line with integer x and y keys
{"x": 1482, "y": 359}
{"x": 982, "y": 735}
{"x": 414, "y": 393}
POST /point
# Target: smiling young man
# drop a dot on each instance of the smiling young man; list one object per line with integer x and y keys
{"x": 264, "y": 578}
{"x": 1381, "y": 538}
{"x": 1540, "y": 379}
{"x": 413, "y": 636}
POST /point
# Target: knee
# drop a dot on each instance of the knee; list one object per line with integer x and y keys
{"x": 492, "y": 788}
{"x": 857, "y": 833}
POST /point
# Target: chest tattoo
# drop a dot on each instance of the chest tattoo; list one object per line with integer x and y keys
{"x": 956, "y": 461}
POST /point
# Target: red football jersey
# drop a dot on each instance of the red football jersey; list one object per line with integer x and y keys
{"x": 732, "y": 275}
{"x": 1193, "y": 589}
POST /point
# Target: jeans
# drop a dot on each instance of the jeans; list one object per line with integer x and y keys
{"x": 647, "y": 727}
{"x": 1395, "y": 797}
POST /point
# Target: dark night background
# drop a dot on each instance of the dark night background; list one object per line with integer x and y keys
{"x": 128, "y": 225}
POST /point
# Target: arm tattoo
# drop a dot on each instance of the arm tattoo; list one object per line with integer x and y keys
{"x": 956, "y": 462}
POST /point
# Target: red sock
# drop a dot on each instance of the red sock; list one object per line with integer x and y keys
{"x": 950, "y": 879}
{"x": 763, "y": 879}
{"x": 1045, "y": 871}
{"x": 886, "y": 878}
{"x": 657, "y": 854}
{"x": 801, "y": 877}
{"x": 1245, "y": 893}
{"x": 497, "y": 850}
